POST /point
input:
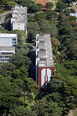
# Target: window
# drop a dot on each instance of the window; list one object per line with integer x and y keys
{"x": 42, "y": 59}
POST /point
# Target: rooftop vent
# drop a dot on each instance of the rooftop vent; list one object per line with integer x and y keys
{"x": 42, "y": 50}
{"x": 42, "y": 41}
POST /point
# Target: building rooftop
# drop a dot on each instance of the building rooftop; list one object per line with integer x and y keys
{"x": 19, "y": 14}
{"x": 44, "y": 50}
{"x": 43, "y": 2}
{"x": 7, "y": 35}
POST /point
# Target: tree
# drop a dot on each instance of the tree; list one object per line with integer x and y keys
{"x": 55, "y": 85}
{"x": 8, "y": 66}
{"x": 21, "y": 36}
{"x": 72, "y": 66}
{"x": 6, "y": 69}
{"x": 56, "y": 42}
{"x": 30, "y": 86}
{"x": 23, "y": 49}
{"x": 22, "y": 111}
{"x": 68, "y": 1}
{"x": 8, "y": 96}
{"x": 51, "y": 16}
{"x": 70, "y": 91}
{"x": 20, "y": 73}
{"x": 39, "y": 6}
{"x": 49, "y": 5}
{"x": 33, "y": 29}
{"x": 10, "y": 4}
{"x": 40, "y": 15}
{"x": 46, "y": 27}
{"x": 60, "y": 5}
{"x": 72, "y": 53}
{"x": 45, "y": 107}
{"x": 20, "y": 60}
{"x": 27, "y": 3}
{"x": 33, "y": 8}
{"x": 72, "y": 18}
{"x": 68, "y": 11}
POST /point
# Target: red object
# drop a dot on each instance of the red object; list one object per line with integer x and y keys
{"x": 40, "y": 75}
{"x": 43, "y": 2}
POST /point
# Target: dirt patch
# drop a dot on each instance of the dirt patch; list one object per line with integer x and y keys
{"x": 70, "y": 113}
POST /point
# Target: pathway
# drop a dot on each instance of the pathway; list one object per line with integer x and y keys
{"x": 70, "y": 113}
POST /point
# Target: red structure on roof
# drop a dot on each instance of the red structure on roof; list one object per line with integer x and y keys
{"x": 43, "y": 2}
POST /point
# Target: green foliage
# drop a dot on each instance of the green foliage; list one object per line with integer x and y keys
{"x": 8, "y": 95}
{"x": 20, "y": 60}
{"x": 49, "y": 5}
{"x": 33, "y": 29}
{"x": 33, "y": 8}
{"x": 22, "y": 111}
{"x": 10, "y": 4}
{"x": 20, "y": 73}
{"x": 1, "y": 11}
{"x": 31, "y": 18}
{"x": 67, "y": 38}
{"x": 72, "y": 18}
{"x": 30, "y": 86}
{"x": 39, "y": 6}
{"x": 68, "y": 11}
{"x": 56, "y": 42}
{"x": 55, "y": 85}
{"x": 27, "y": 3}
{"x": 71, "y": 86}
{"x": 23, "y": 49}
{"x": 70, "y": 91}
{"x": 51, "y": 15}
{"x": 60, "y": 69}
{"x": 72, "y": 53}
{"x": 72, "y": 66}
{"x": 21, "y": 36}
{"x": 46, "y": 27}
{"x": 60, "y": 5}
{"x": 44, "y": 107}
{"x": 40, "y": 15}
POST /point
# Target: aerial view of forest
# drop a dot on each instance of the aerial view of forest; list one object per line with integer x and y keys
{"x": 19, "y": 93}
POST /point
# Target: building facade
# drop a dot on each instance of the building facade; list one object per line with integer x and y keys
{"x": 44, "y": 60}
{"x": 8, "y": 39}
{"x": 19, "y": 18}
{"x": 8, "y": 43}
{"x": 6, "y": 53}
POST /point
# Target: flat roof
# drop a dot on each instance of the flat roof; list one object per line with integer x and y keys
{"x": 7, "y": 35}
{"x": 20, "y": 14}
{"x": 44, "y": 50}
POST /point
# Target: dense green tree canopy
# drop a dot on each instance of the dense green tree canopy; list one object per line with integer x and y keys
{"x": 61, "y": 5}
{"x": 8, "y": 95}
{"x": 33, "y": 29}
{"x": 49, "y": 5}
{"x": 20, "y": 60}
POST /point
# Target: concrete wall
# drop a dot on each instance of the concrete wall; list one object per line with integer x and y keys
{"x": 19, "y": 26}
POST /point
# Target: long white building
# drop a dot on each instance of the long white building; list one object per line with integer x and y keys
{"x": 44, "y": 60}
{"x": 19, "y": 18}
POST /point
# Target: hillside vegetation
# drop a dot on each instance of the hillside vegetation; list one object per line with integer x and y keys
{"x": 19, "y": 94}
